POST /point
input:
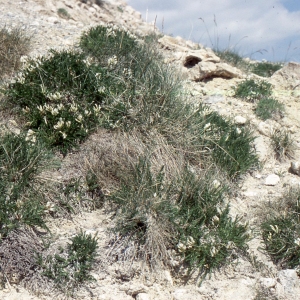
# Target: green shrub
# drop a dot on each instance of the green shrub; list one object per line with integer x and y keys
{"x": 281, "y": 231}
{"x": 60, "y": 97}
{"x": 14, "y": 43}
{"x": 268, "y": 107}
{"x": 21, "y": 161}
{"x": 208, "y": 236}
{"x": 265, "y": 69}
{"x": 72, "y": 265}
{"x": 111, "y": 46}
{"x": 62, "y": 12}
{"x": 252, "y": 90}
{"x": 229, "y": 146}
{"x": 188, "y": 215}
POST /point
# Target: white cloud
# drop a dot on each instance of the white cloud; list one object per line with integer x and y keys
{"x": 247, "y": 25}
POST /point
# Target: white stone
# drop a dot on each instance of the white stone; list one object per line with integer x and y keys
{"x": 240, "y": 120}
{"x": 268, "y": 282}
{"x": 272, "y": 179}
{"x": 250, "y": 193}
{"x": 290, "y": 283}
{"x": 264, "y": 128}
{"x": 142, "y": 296}
{"x": 53, "y": 20}
{"x": 261, "y": 148}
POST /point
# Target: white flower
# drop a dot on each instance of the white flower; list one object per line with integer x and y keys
{"x": 64, "y": 135}
{"x": 110, "y": 32}
{"x": 79, "y": 118}
{"x": 112, "y": 61}
{"x": 54, "y": 96}
{"x": 297, "y": 241}
{"x": 87, "y": 112}
{"x": 73, "y": 107}
{"x": 60, "y": 106}
{"x": 59, "y": 124}
{"x": 98, "y": 76}
{"x": 30, "y": 136}
{"x": 269, "y": 238}
{"x": 54, "y": 111}
{"x": 24, "y": 59}
{"x": 127, "y": 72}
{"x": 190, "y": 242}
{"x": 26, "y": 109}
{"x": 207, "y": 126}
{"x": 213, "y": 251}
{"x": 101, "y": 89}
{"x": 40, "y": 108}
{"x": 216, "y": 183}
{"x": 275, "y": 228}
{"x": 181, "y": 247}
{"x": 45, "y": 119}
{"x": 97, "y": 109}
{"x": 68, "y": 124}
{"x": 215, "y": 219}
{"x": 238, "y": 131}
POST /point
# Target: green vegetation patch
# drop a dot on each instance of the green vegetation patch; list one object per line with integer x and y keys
{"x": 21, "y": 202}
{"x": 281, "y": 231}
{"x": 265, "y": 69}
{"x": 188, "y": 214}
{"x": 252, "y": 90}
{"x": 71, "y": 265}
{"x": 267, "y": 108}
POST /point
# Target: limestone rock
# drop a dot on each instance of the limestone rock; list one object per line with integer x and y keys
{"x": 290, "y": 283}
{"x": 207, "y": 69}
{"x": 288, "y": 76}
{"x": 142, "y": 296}
{"x": 261, "y": 148}
{"x": 185, "y": 294}
{"x": 240, "y": 120}
{"x": 272, "y": 179}
{"x": 268, "y": 282}
{"x": 212, "y": 99}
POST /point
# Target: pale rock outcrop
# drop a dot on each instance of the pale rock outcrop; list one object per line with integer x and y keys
{"x": 196, "y": 64}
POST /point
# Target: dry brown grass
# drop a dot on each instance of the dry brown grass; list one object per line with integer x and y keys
{"x": 111, "y": 156}
{"x": 14, "y": 43}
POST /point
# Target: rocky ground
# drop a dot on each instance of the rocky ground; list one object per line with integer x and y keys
{"x": 206, "y": 80}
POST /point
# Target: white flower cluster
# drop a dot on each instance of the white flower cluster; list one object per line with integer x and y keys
{"x": 30, "y": 136}
{"x": 183, "y": 246}
{"x": 88, "y": 61}
{"x": 110, "y": 32}
{"x": 112, "y": 61}
{"x": 54, "y": 96}
{"x": 127, "y": 72}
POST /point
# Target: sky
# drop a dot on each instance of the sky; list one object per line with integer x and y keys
{"x": 258, "y": 29}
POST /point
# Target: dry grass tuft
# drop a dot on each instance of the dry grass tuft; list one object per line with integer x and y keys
{"x": 14, "y": 43}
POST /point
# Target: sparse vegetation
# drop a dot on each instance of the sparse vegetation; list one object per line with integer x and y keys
{"x": 21, "y": 202}
{"x": 282, "y": 144}
{"x": 268, "y": 108}
{"x": 265, "y": 69}
{"x": 234, "y": 59}
{"x": 281, "y": 231}
{"x": 71, "y": 266}
{"x": 252, "y": 90}
{"x": 166, "y": 168}
{"x": 63, "y": 13}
